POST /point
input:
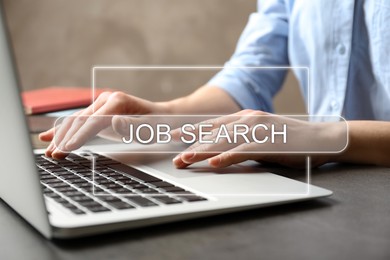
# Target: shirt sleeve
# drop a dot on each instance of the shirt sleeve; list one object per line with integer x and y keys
{"x": 262, "y": 43}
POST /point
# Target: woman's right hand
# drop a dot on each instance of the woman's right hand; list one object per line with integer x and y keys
{"x": 76, "y": 130}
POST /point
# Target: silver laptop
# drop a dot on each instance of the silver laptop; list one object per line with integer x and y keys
{"x": 66, "y": 198}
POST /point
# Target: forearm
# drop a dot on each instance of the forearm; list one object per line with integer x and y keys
{"x": 369, "y": 143}
{"x": 205, "y": 100}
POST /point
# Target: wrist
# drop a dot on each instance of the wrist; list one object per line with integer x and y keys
{"x": 336, "y": 136}
{"x": 175, "y": 106}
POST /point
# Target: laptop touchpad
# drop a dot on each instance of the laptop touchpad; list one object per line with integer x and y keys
{"x": 162, "y": 163}
{"x": 202, "y": 169}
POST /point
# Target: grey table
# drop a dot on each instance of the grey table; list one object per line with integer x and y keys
{"x": 352, "y": 224}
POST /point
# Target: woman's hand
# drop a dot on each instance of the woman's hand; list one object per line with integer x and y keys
{"x": 76, "y": 130}
{"x": 303, "y": 138}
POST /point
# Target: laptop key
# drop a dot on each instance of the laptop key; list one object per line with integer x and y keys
{"x": 100, "y": 158}
{"x": 83, "y": 184}
{"x": 108, "y": 163}
{"x": 191, "y": 198}
{"x": 73, "y": 193}
{"x": 42, "y": 172}
{"x": 122, "y": 191}
{"x": 166, "y": 199}
{"x": 89, "y": 204}
{"x": 121, "y": 177}
{"x": 129, "y": 181}
{"x": 99, "y": 190}
{"x": 82, "y": 198}
{"x": 65, "y": 189}
{"x": 44, "y": 164}
{"x": 104, "y": 182}
{"x": 51, "y": 166}
{"x": 98, "y": 209}
{"x": 86, "y": 187}
{"x": 141, "y": 201}
{"x": 69, "y": 177}
{"x": 120, "y": 205}
{"x": 87, "y": 164}
{"x": 57, "y": 185}
{"x": 46, "y": 190}
{"x": 68, "y": 205}
{"x": 61, "y": 200}
{"x": 134, "y": 172}
{"x": 52, "y": 195}
{"x": 84, "y": 171}
{"x": 47, "y": 177}
{"x": 77, "y": 181}
{"x": 138, "y": 186}
{"x": 109, "y": 198}
{"x": 51, "y": 181}
{"x": 162, "y": 184}
{"x": 173, "y": 189}
{"x": 148, "y": 190}
{"x": 77, "y": 211}
{"x": 59, "y": 172}
{"x": 105, "y": 171}
{"x": 112, "y": 186}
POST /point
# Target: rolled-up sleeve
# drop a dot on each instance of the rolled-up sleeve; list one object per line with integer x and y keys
{"x": 263, "y": 43}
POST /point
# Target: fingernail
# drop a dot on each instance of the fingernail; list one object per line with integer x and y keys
{"x": 49, "y": 150}
{"x": 177, "y": 161}
{"x": 187, "y": 157}
{"x": 48, "y": 153}
{"x": 215, "y": 161}
{"x": 54, "y": 153}
{"x": 177, "y": 157}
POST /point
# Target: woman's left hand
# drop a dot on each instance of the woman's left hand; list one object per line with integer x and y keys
{"x": 304, "y": 138}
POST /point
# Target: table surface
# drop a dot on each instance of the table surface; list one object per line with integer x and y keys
{"x": 354, "y": 223}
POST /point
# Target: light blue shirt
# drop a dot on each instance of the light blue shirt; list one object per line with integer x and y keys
{"x": 344, "y": 43}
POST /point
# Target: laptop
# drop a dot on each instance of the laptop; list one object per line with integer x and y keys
{"x": 67, "y": 198}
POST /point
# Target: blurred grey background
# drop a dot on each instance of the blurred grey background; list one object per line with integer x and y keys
{"x": 57, "y": 42}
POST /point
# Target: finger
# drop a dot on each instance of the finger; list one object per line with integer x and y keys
{"x": 208, "y": 139}
{"x": 185, "y": 159}
{"x": 90, "y": 128}
{"x": 64, "y": 132}
{"x": 94, "y": 124}
{"x": 84, "y": 128}
{"x": 177, "y": 161}
{"x": 47, "y": 136}
{"x": 145, "y": 129}
{"x": 233, "y": 156}
{"x": 215, "y": 122}
{"x": 195, "y": 128}
{"x": 49, "y": 149}
{"x": 199, "y": 152}
{"x": 115, "y": 104}
{"x": 58, "y": 134}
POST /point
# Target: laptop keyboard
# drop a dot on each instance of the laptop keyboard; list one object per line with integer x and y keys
{"x": 70, "y": 182}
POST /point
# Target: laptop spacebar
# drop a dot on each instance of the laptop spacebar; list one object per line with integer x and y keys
{"x": 132, "y": 172}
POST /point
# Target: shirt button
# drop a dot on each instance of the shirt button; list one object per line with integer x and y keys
{"x": 341, "y": 49}
{"x": 334, "y": 105}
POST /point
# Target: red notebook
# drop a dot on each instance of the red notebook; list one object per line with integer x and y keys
{"x": 57, "y": 98}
